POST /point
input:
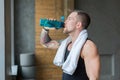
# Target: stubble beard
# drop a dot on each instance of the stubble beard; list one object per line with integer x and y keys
{"x": 65, "y": 31}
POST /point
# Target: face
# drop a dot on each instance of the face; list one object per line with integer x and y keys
{"x": 70, "y": 23}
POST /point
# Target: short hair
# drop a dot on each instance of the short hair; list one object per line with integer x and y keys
{"x": 84, "y": 17}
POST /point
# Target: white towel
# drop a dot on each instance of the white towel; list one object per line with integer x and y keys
{"x": 69, "y": 66}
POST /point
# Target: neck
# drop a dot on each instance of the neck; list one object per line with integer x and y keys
{"x": 74, "y": 35}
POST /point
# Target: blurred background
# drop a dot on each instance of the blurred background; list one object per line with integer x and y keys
{"x": 20, "y": 32}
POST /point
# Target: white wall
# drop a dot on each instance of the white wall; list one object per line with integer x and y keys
{"x": 2, "y": 41}
{"x": 5, "y": 39}
{"x": 24, "y": 27}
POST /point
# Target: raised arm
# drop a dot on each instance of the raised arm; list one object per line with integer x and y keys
{"x": 46, "y": 41}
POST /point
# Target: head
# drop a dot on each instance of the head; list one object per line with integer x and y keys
{"x": 77, "y": 20}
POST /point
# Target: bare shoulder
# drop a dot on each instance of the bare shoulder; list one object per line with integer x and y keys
{"x": 89, "y": 49}
{"x": 90, "y": 45}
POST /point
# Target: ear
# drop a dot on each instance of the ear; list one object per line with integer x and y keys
{"x": 78, "y": 25}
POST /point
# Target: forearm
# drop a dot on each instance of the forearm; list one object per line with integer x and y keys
{"x": 47, "y": 42}
{"x": 44, "y": 36}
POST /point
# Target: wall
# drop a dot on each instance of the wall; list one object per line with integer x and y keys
{"x": 105, "y": 31}
{"x": 24, "y": 28}
{"x": 105, "y": 20}
{"x": 5, "y": 40}
{"x": 2, "y": 41}
{"x": 46, "y": 70}
{"x": 44, "y": 57}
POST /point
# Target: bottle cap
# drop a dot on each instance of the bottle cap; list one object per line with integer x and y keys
{"x": 62, "y": 18}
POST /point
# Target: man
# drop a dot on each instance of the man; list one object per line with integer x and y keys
{"x": 77, "y": 55}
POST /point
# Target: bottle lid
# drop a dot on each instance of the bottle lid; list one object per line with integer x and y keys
{"x": 62, "y": 18}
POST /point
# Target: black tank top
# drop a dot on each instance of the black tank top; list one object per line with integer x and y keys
{"x": 80, "y": 72}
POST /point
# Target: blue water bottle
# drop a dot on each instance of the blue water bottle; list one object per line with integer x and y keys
{"x": 52, "y": 23}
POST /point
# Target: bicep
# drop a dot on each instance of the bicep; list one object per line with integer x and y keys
{"x": 93, "y": 67}
{"x": 92, "y": 61}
